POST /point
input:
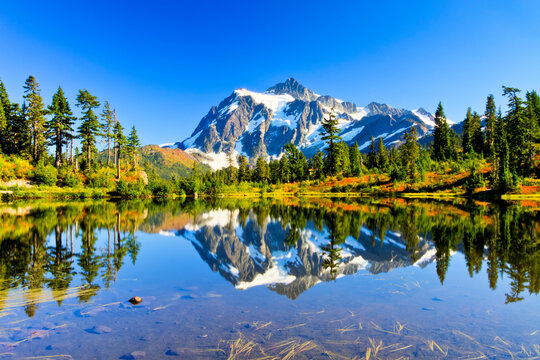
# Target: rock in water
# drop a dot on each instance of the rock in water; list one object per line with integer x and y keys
{"x": 99, "y": 329}
{"x": 136, "y": 355}
{"x": 135, "y": 300}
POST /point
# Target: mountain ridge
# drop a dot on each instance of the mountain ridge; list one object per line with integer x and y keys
{"x": 257, "y": 124}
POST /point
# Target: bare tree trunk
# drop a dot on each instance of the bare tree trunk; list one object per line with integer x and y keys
{"x": 71, "y": 161}
{"x": 117, "y": 164}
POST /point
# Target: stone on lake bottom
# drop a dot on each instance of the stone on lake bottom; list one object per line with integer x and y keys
{"x": 135, "y": 300}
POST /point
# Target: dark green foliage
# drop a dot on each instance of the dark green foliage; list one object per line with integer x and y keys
{"x": 355, "y": 160}
{"x": 132, "y": 146}
{"x": 108, "y": 121}
{"x": 90, "y": 129}
{"x": 441, "y": 139}
{"x": 491, "y": 119}
{"x": 243, "y": 169}
{"x": 466, "y": 142}
{"x": 297, "y": 163}
{"x": 318, "y": 166}
{"x": 261, "y": 174}
{"x": 45, "y": 174}
{"x": 331, "y": 136}
{"x": 35, "y": 115}
{"x": 409, "y": 153}
{"x": 60, "y": 126}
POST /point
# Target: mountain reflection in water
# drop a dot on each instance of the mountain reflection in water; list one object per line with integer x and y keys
{"x": 76, "y": 249}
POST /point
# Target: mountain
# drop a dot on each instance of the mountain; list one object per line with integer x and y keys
{"x": 260, "y": 124}
{"x": 168, "y": 161}
{"x": 254, "y": 253}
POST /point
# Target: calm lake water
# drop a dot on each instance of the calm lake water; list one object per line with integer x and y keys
{"x": 269, "y": 279}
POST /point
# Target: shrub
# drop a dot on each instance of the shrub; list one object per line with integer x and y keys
{"x": 72, "y": 180}
{"x": 45, "y": 175}
{"x": 103, "y": 178}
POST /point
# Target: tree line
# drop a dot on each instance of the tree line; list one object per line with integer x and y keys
{"x": 28, "y": 130}
{"x": 509, "y": 141}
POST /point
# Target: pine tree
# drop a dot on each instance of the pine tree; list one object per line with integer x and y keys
{"x": 3, "y": 127}
{"x": 477, "y": 138}
{"x": 107, "y": 117}
{"x": 90, "y": 128}
{"x": 243, "y": 169}
{"x": 119, "y": 145}
{"x": 382, "y": 155}
{"x": 355, "y": 160}
{"x": 440, "y": 148}
{"x": 491, "y": 119}
{"x": 261, "y": 171}
{"x": 372, "y": 158}
{"x": 35, "y": 116}
{"x": 5, "y": 119}
{"x": 284, "y": 169}
{"x": 331, "y": 136}
{"x": 466, "y": 142}
{"x": 409, "y": 153}
{"x": 60, "y": 125}
{"x": 133, "y": 144}
{"x": 519, "y": 133}
{"x": 318, "y": 166}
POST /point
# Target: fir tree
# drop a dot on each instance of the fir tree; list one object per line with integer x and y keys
{"x": 261, "y": 170}
{"x": 440, "y": 148}
{"x": 466, "y": 142}
{"x": 318, "y": 166}
{"x": 409, "y": 152}
{"x": 491, "y": 119}
{"x": 60, "y": 125}
{"x": 119, "y": 145}
{"x": 519, "y": 131}
{"x": 382, "y": 155}
{"x": 355, "y": 160}
{"x": 35, "y": 113}
{"x": 243, "y": 169}
{"x": 107, "y": 117}
{"x": 133, "y": 144}
{"x": 284, "y": 169}
{"x": 3, "y": 127}
{"x": 372, "y": 161}
{"x": 477, "y": 138}
{"x": 90, "y": 128}
{"x": 331, "y": 136}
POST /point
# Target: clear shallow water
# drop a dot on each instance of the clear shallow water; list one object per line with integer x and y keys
{"x": 237, "y": 279}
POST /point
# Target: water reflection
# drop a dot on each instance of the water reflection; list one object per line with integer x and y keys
{"x": 288, "y": 246}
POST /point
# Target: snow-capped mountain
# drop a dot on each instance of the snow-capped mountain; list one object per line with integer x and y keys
{"x": 261, "y": 124}
{"x": 256, "y": 253}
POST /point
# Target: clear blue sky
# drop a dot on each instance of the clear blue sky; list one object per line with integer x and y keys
{"x": 162, "y": 64}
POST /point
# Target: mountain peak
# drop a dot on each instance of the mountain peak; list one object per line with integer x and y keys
{"x": 292, "y": 87}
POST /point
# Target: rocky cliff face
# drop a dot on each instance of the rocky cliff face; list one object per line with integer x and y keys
{"x": 261, "y": 124}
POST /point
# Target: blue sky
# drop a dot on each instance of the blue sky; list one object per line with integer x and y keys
{"x": 163, "y": 64}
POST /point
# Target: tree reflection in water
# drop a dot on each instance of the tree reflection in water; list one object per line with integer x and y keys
{"x": 55, "y": 246}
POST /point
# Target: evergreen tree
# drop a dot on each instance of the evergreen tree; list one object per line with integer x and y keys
{"x": 519, "y": 132}
{"x": 107, "y": 117}
{"x": 261, "y": 171}
{"x": 355, "y": 160}
{"x": 372, "y": 158}
{"x": 60, "y": 125}
{"x": 318, "y": 166}
{"x": 243, "y": 169}
{"x": 284, "y": 169}
{"x": 35, "y": 113}
{"x": 3, "y": 126}
{"x": 409, "y": 152}
{"x": 477, "y": 138}
{"x": 382, "y": 155}
{"x": 466, "y": 141}
{"x": 133, "y": 144}
{"x": 297, "y": 162}
{"x": 331, "y": 136}
{"x": 119, "y": 145}
{"x": 491, "y": 119}
{"x": 441, "y": 142}
{"x": 90, "y": 128}
{"x": 343, "y": 161}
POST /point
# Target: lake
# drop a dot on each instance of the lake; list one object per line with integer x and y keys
{"x": 270, "y": 279}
